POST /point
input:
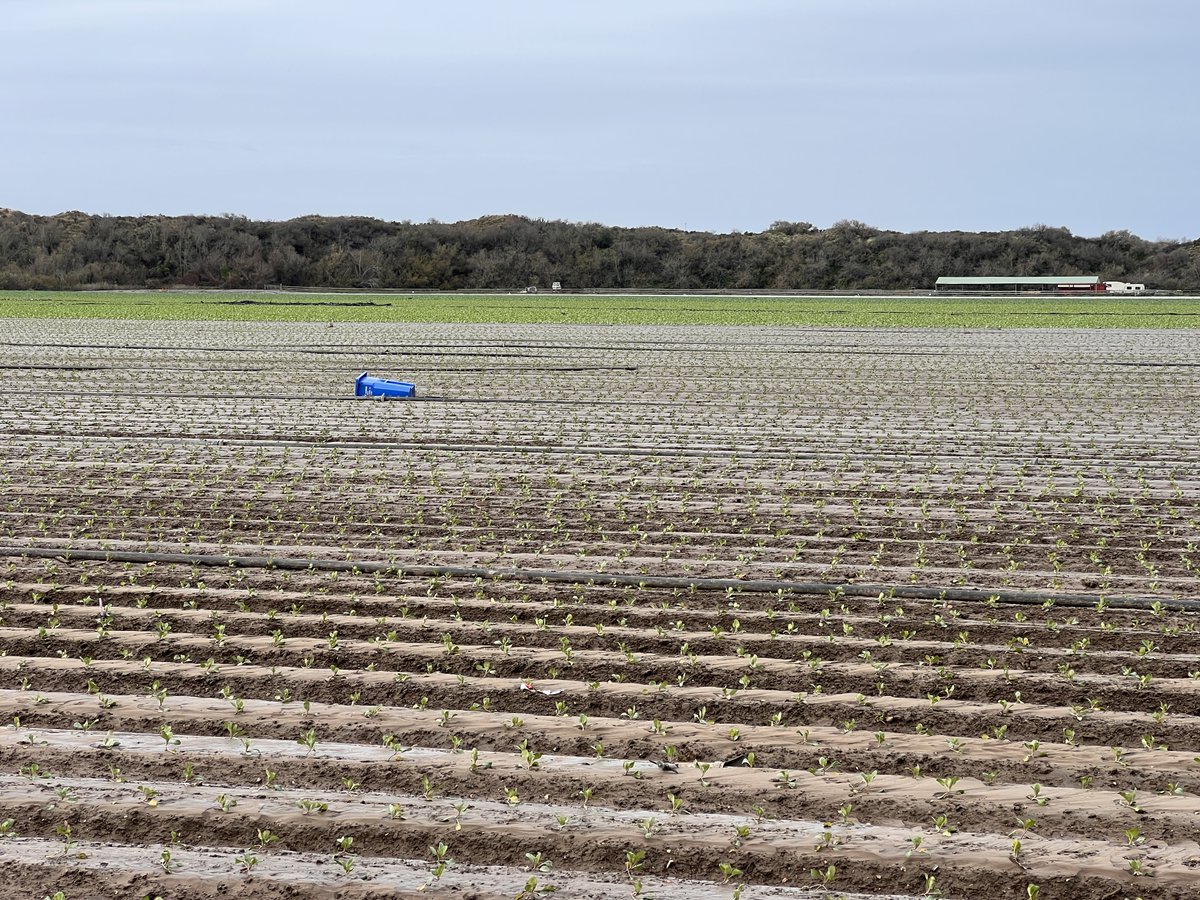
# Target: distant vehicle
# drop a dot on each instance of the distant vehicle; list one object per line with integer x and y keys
{"x": 1122, "y": 287}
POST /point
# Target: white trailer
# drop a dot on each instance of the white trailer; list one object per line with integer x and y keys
{"x": 1122, "y": 287}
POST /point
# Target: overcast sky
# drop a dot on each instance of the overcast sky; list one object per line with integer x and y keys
{"x": 705, "y": 114}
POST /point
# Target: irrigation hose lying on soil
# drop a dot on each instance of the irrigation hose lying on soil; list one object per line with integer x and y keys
{"x": 606, "y": 579}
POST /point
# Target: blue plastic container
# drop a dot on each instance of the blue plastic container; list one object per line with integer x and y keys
{"x": 367, "y": 386}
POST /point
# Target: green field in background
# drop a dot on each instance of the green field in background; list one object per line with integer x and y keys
{"x": 899, "y": 312}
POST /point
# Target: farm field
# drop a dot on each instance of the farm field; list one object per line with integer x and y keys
{"x": 624, "y": 611}
{"x": 653, "y": 310}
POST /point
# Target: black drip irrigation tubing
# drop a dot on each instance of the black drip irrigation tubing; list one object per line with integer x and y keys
{"x": 606, "y": 579}
{"x": 423, "y": 398}
{"x": 667, "y": 452}
{"x": 671, "y": 452}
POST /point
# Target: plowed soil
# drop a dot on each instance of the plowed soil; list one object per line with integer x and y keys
{"x": 630, "y": 611}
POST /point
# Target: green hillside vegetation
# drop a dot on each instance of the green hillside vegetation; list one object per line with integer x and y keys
{"x": 75, "y": 250}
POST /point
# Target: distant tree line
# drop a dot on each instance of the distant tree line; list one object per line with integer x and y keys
{"x": 77, "y": 250}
